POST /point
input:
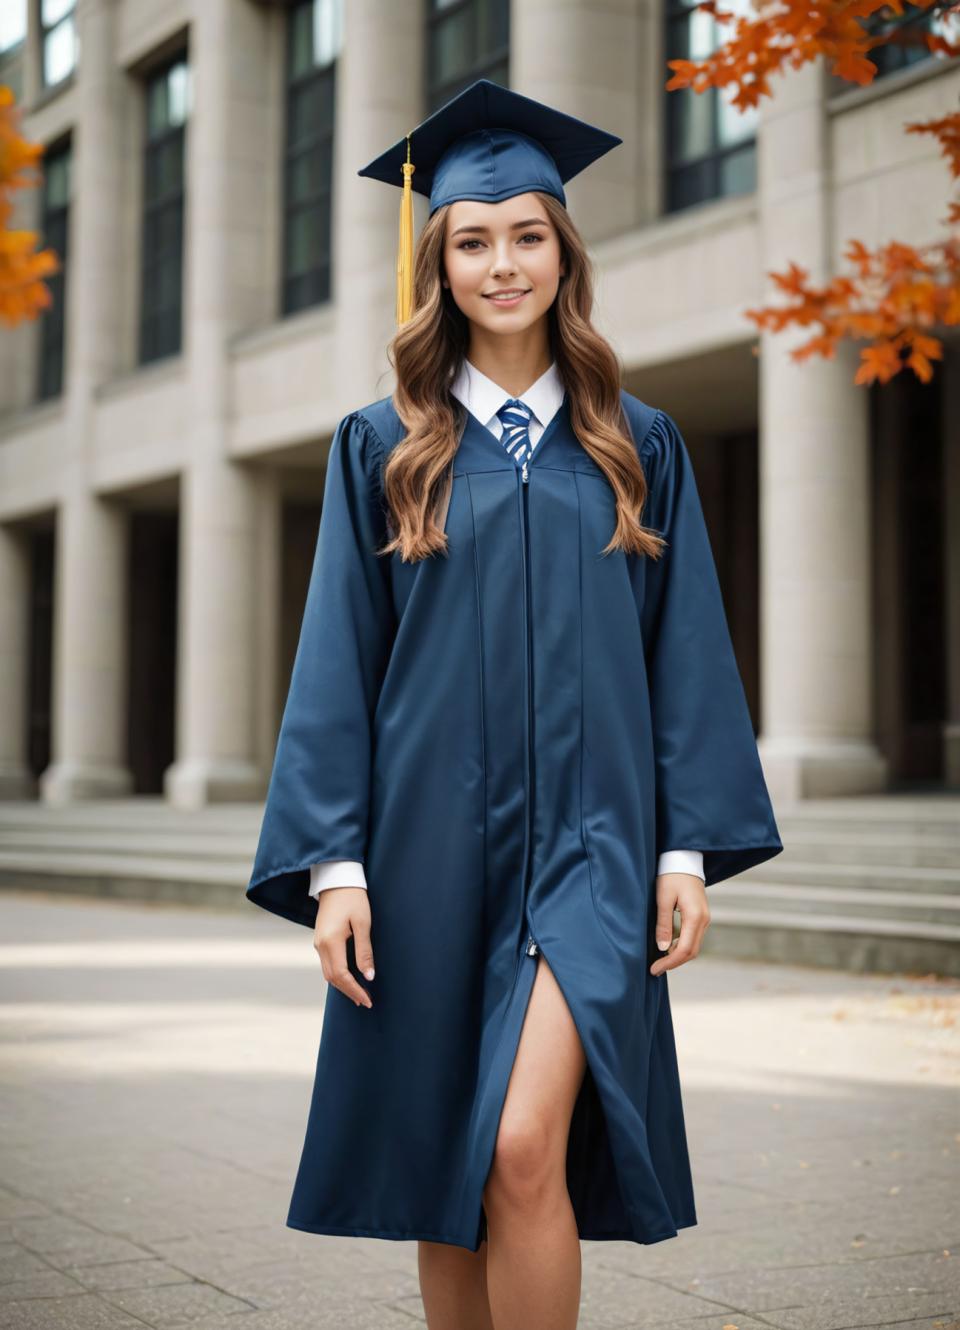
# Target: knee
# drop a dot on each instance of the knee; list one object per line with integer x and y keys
{"x": 524, "y": 1162}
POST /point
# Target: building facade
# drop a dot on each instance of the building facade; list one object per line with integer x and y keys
{"x": 227, "y": 294}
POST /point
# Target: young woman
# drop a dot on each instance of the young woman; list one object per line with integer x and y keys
{"x": 515, "y": 742}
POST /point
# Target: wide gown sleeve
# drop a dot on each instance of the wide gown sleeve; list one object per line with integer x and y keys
{"x": 710, "y": 790}
{"x": 318, "y": 796}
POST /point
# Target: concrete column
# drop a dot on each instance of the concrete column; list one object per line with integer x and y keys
{"x": 217, "y": 663}
{"x": 817, "y": 731}
{"x": 89, "y": 654}
{"x": 595, "y": 61}
{"x": 268, "y": 592}
{"x": 89, "y": 647}
{"x": 951, "y": 581}
{"x": 16, "y": 781}
{"x": 378, "y": 98}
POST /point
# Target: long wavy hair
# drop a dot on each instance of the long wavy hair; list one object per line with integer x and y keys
{"x": 426, "y": 353}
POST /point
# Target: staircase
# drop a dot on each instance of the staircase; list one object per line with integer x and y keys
{"x": 863, "y": 883}
{"x": 138, "y": 848}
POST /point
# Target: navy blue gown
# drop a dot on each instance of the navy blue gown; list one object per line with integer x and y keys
{"x": 507, "y": 737}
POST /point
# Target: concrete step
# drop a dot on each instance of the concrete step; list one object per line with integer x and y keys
{"x": 876, "y": 846}
{"x": 862, "y": 884}
{"x": 791, "y": 868}
{"x": 235, "y": 848}
{"x": 863, "y": 903}
{"x": 840, "y": 941}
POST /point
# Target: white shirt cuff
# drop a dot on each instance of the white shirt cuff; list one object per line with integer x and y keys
{"x": 349, "y": 873}
{"x": 681, "y": 861}
{"x": 336, "y": 873}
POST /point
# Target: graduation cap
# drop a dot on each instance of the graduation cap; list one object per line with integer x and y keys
{"x": 487, "y": 143}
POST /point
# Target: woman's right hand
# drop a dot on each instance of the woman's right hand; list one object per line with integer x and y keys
{"x": 340, "y": 912}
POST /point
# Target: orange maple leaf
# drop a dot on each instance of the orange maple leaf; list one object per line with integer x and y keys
{"x": 898, "y": 292}
{"x": 23, "y": 292}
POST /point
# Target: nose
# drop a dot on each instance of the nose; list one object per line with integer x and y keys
{"x": 503, "y": 262}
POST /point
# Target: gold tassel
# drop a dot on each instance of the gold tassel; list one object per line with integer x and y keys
{"x": 405, "y": 248}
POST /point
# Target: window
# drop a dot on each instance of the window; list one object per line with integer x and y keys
{"x": 54, "y": 224}
{"x": 894, "y": 55}
{"x": 58, "y": 39}
{"x": 168, "y": 106}
{"x": 466, "y": 40}
{"x": 314, "y": 38}
{"x": 13, "y": 33}
{"x": 710, "y": 145}
{"x": 13, "y": 24}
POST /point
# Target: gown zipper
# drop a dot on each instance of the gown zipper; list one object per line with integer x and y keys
{"x": 530, "y": 946}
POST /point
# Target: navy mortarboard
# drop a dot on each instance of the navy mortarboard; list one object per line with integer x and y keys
{"x": 487, "y": 143}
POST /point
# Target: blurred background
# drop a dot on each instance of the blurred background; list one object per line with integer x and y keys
{"x": 225, "y": 294}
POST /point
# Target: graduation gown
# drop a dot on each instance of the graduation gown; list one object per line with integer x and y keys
{"x": 507, "y": 737}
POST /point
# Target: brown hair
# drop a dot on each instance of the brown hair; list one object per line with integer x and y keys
{"x": 426, "y": 352}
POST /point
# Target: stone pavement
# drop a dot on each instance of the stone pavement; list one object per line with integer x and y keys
{"x": 156, "y": 1064}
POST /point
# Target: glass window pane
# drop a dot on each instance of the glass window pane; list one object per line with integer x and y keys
{"x": 738, "y": 171}
{"x": 734, "y": 125}
{"x": 13, "y": 23}
{"x": 692, "y": 185}
{"x": 308, "y": 239}
{"x": 59, "y": 53}
{"x": 466, "y": 40}
{"x": 700, "y": 126}
{"x": 168, "y": 282}
{"x": 56, "y": 181}
{"x": 454, "y": 48}
{"x": 327, "y": 31}
{"x": 945, "y": 25}
{"x": 52, "y": 11}
{"x": 310, "y": 172}
{"x": 55, "y": 232}
{"x": 692, "y": 124}
{"x": 178, "y": 94}
{"x": 168, "y": 227}
{"x": 164, "y": 169}
{"x": 156, "y": 107}
{"x": 311, "y": 111}
{"x": 702, "y": 34}
{"x": 494, "y": 19}
{"x": 300, "y": 48}
{"x": 315, "y": 35}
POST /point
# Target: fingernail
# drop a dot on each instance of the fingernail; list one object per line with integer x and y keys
{"x": 662, "y": 945}
{"x": 369, "y": 973}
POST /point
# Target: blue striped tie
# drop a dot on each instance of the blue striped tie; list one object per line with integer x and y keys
{"x": 515, "y": 416}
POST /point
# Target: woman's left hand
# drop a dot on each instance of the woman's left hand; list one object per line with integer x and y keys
{"x": 687, "y": 893}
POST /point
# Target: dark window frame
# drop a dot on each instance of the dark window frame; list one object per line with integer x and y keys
{"x": 687, "y": 182}
{"x": 493, "y": 63}
{"x": 891, "y": 57}
{"x": 54, "y": 233}
{"x": 314, "y": 285}
{"x": 46, "y": 31}
{"x": 160, "y": 328}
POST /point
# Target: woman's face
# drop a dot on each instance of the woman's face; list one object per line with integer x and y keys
{"x": 508, "y": 247}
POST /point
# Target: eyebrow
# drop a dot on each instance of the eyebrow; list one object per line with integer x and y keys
{"x": 530, "y": 221}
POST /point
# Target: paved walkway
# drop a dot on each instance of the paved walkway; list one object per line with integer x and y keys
{"x": 155, "y": 1070}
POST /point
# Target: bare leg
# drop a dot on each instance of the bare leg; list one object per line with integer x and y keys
{"x": 533, "y": 1262}
{"x": 453, "y": 1284}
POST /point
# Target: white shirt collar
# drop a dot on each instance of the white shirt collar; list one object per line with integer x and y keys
{"x": 483, "y": 398}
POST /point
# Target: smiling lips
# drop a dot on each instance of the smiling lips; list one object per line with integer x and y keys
{"x": 507, "y": 297}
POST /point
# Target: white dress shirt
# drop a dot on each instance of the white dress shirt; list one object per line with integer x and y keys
{"x": 483, "y": 398}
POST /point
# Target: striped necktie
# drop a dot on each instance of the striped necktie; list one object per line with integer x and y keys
{"x": 515, "y": 416}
